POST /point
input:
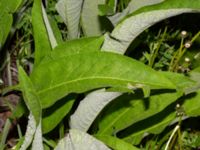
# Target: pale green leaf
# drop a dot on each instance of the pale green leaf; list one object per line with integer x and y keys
{"x": 126, "y": 31}
{"x": 41, "y": 39}
{"x": 70, "y": 11}
{"x": 10, "y": 6}
{"x": 115, "y": 143}
{"x": 38, "y": 140}
{"x": 56, "y": 113}
{"x": 90, "y": 107}
{"x": 132, "y": 6}
{"x": 86, "y": 71}
{"x": 76, "y": 140}
{"x": 30, "y": 131}
{"x": 90, "y": 20}
{"x": 50, "y": 33}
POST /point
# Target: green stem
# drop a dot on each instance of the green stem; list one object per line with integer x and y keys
{"x": 155, "y": 53}
{"x": 5, "y": 134}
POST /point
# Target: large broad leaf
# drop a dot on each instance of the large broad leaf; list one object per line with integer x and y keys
{"x": 132, "y": 6}
{"x": 130, "y": 28}
{"x": 41, "y": 39}
{"x": 6, "y": 18}
{"x": 90, "y": 107}
{"x": 81, "y": 45}
{"x": 158, "y": 122}
{"x": 115, "y": 143}
{"x": 86, "y": 71}
{"x": 70, "y": 11}
{"x": 53, "y": 115}
{"x": 5, "y": 26}
{"x": 90, "y": 20}
{"x": 76, "y": 140}
{"x": 129, "y": 109}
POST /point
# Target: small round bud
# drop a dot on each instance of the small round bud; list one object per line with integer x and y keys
{"x": 178, "y": 106}
{"x": 188, "y": 44}
{"x": 187, "y": 59}
{"x": 183, "y": 34}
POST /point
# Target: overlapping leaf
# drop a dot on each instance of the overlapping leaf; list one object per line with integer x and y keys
{"x": 125, "y": 32}
{"x": 76, "y": 140}
{"x": 85, "y": 71}
{"x": 130, "y": 109}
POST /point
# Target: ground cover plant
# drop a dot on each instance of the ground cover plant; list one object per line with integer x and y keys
{"x": 99, "y": 74}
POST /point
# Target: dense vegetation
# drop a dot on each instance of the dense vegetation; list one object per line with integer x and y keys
{"x": 99, "y": 74}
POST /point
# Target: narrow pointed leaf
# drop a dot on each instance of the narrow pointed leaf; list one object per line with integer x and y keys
{"x": 126, "y": 31}
{"x": 137, "y": 108}
{"x": 56, "y": 113}
{"x": 82, "y": 72}
{"x": 70, "y": 11}
{"x": 29, "y": 94}
{"x": 6, "y": 18}
{"x": 50, "y": 33}
{"x": 90, "y": 20}
{"x": 41, "y": 39}
{"x": 76, "y": 140}
{"x": 157, "y": 123}
{"x": 30, "y": 131}
{"x": 90, "y": 107}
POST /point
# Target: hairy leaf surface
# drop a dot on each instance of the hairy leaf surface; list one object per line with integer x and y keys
{"x": 125, "y": 32}
{"x": 70, "y": 11}
{"x": 76, "y": 139}
{"x": 85, "y": 71}
{"x": 90, "y": 107}
{"x": 90, "y": 20}
{"x": 132, "y": 6}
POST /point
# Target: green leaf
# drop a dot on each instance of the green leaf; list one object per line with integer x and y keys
{"x": 137, "y": 108}
{"x": 132, "y": 6}
{"x": 158, "y": 122}
{"x": 56, "y": 30}
{"x": 56, "y": 113}
{"x": 5, "y": 26}
{"x": 90, "y": 107}
{"x": 50, "y": 33}
{"x": 70, "y": 11}
{"x": 6, "y": 18}
{"x": 90, "y": 21}
{"x": 10, "y": 6}
{"x": 115, "y": 143}
{"x": 80, "y": 140}
{"x": 30, "y": 96}
{"x": 41, "y": 39}
{"x": 86, "y": 71}
{"x": 126, "y": 31}
{"x": 81, "y": 45}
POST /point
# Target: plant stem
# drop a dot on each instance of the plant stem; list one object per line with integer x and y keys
{"x": 155, "y": 53}
{"x": 5, "y": 134}
{"x": 172, "y": 135}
